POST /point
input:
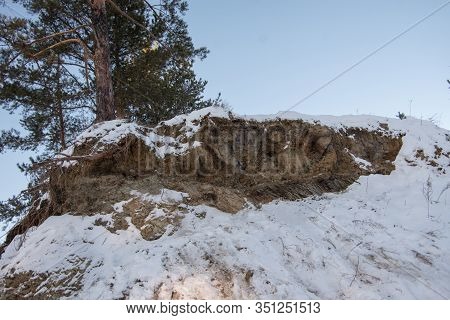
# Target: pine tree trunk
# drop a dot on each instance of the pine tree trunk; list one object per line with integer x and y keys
{"x": 115, "y": 55}
{"x": 59, "y": 107}
{"x": 103, "y": 80}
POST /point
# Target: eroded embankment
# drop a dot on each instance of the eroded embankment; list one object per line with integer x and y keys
{"x": 227, "y": 163}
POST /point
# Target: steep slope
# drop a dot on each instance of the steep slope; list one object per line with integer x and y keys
{"x": 215, "y": 205}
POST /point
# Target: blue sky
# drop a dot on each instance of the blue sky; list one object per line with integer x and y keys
{"x": 267, "y": 55}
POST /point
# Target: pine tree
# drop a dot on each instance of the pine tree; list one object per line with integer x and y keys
{"x": 48, "y": 68}
{"x": 80, "y": 29}
{"x": 151, "y": 54}
{"x": 158, "y": 80}
{"x": 152, "y": 60}
{"x": 52, "y": 106}
{"x": 50, "y": 71}
{"x": 127, "y": 37}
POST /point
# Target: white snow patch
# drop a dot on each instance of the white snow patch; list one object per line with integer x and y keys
{"x": 363, "y": 164}
{"x": 118, "y": 207}
{"x": 156, "y": 213}
{"x": 165, "y": 196}
{"x": 196, "y": 144}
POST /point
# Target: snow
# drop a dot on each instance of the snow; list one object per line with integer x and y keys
{"x": 6, "y": 225}
{"x": 196, "y": 144}
{"x": 363, "y": 164}
{"x": 156, "y": 213}
{"x": 165, "y": 196}
{"x": 373, "y": 241}
{"x": 297, "y": 250}
{"x": 44, "y": 197}
{"x": 189, "y": 119}
{"x": 118, "y": 207}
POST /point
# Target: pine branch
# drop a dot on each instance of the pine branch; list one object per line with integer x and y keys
{"x": 120, "y": 11}
{"x": 153, "y": 9}
{"x": 77, "y": 65}
{"x": 58, "y": 34}
{"x": 116, "y": 7}
{"x": 5, "y": 66}
{"x": 134, "y": 89}
{"x": 81, "y": 86}
{"x": 85, "y": 51}
{"x": 78, "y": 108}
{"x": 36, "y": 55}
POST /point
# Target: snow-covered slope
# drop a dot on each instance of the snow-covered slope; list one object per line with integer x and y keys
{"x": 379, "y": 239}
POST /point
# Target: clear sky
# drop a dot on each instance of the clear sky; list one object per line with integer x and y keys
{"x": 267, "y": 55}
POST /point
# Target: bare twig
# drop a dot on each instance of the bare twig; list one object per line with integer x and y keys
{"x": 282, "y": 243}
{"x": 329, "y": 241}
{"x": 152, "y": 8}
{"x": 91, "y": 157}
{"x": 359, "y": 243}
{"x": 356, "y": 272}
{"x": 442, "y": 192}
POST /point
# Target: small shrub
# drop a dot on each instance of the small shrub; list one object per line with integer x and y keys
{"x": 401, "y": 115}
